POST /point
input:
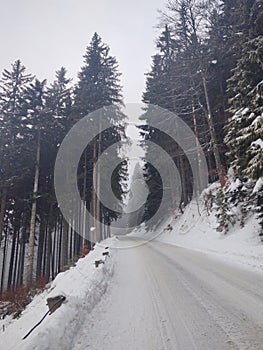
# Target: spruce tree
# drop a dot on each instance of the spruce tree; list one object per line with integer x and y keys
{"x": 58, "y": 95}
{"x": 244, "y": 130}
{"x": 34, "y": 120}
{"x": 245, "y": 126}
{"x": 12, "y": 91}
{"x": 98, "y": 86}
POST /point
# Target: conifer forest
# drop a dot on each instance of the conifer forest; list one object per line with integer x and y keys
{"x": 207, "y": 69}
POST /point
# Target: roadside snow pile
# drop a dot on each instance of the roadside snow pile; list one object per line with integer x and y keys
{"x": 83, "y": 287}
{"x": 198, "y": 232}
{"x": 197, "y": 229}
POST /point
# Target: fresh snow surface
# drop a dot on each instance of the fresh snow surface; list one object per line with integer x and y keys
{"x": 126, "y": 311}
{"x": 198, "y": 232}
{"x": 258, "y": 185}
{"x": 83, "y": 287}
{"x": 164, "y": 297}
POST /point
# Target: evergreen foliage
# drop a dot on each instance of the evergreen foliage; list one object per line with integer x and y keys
{"x": 99, "y": 86}
{"x": 214, "y": 46}
{"x": 224, "y": 215}
{"x": 244, "y": 129}
{"x": 36, "y": 242}
{"x": 207, "y": 69}
{"x": 98, "y": 83}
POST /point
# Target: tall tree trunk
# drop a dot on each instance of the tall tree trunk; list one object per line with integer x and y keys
{"x": 20, "y": 277}
{"x": 16, "y": 262}
{"x": 71, "y": 244}
{"x": 49, "y": 242}
{"x": 19, "y": 280}
{"x": 98, "y": 204}
{"x": 212, "y": 133}
{"x": 60, "y": 244}
{"x": 2, "y": 210}
{"x": 180, "y": 163}
{"x": 3, "y": 265}
{"x": 40, "y": 246}
{"x": 200, "y": 185}
{"x": 84, "y": 199}
{"x": 43, "y": 269}
{"x": 53, "y": 253}
{"x": 94, "y": 206}
{"x": 65, "y": 243}
{"x": 48, "y": 253}
{"x": 12, "y": 259}
{"x": 30, "y": 259}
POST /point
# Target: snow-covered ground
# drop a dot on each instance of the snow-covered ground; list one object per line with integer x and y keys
{"x": 198, "y": 232}
{"x": 163, "y": 297}
{"x": 83, "y": 287}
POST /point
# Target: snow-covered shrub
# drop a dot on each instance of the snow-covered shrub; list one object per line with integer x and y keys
{"x": 224, "y": 214}
{"x": 235, "y": 202}
{"x": 239, "y": 194}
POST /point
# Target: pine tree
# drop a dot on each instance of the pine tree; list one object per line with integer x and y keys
{"x": 34, "y": 117}
{"x": 98, "y": 86}
{"x": 245, "y": 126}
{"x": 174, "y": 83}
{"x": 166, "y": 88}
{"x": 12, "y": 89}
{"x": 58, "y": 104}
{"x": 58, "y": 95}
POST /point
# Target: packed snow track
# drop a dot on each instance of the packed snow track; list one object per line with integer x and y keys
{"x": 166, "y": 297}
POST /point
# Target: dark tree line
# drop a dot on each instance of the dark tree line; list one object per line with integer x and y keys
{"x": 208, "y": 70}
{"x": 36, "y": 241}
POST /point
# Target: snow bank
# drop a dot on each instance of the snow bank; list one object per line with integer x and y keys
{"x": 82, "y": 285}
{"x": 196, "y": 229}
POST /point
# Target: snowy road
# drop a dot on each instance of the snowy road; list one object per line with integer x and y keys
{"x": 165, "y": 297}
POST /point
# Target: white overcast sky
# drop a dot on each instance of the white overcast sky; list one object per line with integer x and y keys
{"x": 48, "y": 34}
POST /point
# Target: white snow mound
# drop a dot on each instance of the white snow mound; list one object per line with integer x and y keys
{"x": 83, "y": 287}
